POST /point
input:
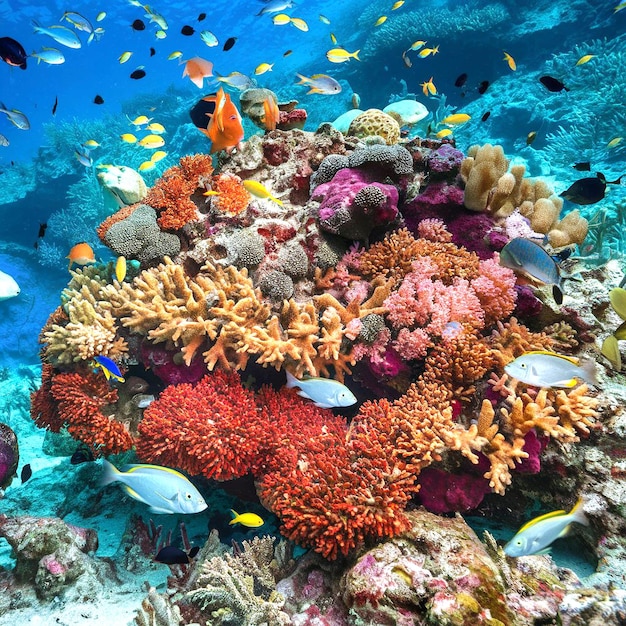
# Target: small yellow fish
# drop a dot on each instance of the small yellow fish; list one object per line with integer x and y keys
{"x": 416, "y": 45}
{"x": 424, "y": 52}
{"x": 151, "y": 142}
{"x": 281, "y": 19}
{"x": 255, "y": 188}
{"x": 155, "y": 127}
{"x": 175, "y": 55}
{"x": 120, "y": 268}
{"x": 140, "y": 120}
{"x": 128, "y": 138}
{"x": 510, "y": 60}
{"x": 160, "y": 34}
{"x": 300, "y": 24}
{"x": 585, "y": 59}
{"x": 90, "y": 144}
{"x": 324, "y": 19}
{"x": 145, "y": 166}
{"x": 614, "y": 142}
{"x": 333, "y": 38}
{"x": 429, "y": 87}
{"x": 446, "y": 132}
{"x": 339, "y": 55}
{"x": 456, "y": 118}
{"x": 381, "y": 20}
{"x": 124, "y": 56}
{"x": 397, "y": 5}
{"x": 158, "y": 155}
{"x": 261, "y": 68}
{"x": 101, "y": 16}
{"x": 251, "y": 520}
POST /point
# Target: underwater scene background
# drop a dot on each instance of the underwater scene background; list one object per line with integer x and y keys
{"x": 344, "y": 312}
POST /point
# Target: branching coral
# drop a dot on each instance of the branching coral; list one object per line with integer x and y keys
{"x": 232, "y": 196}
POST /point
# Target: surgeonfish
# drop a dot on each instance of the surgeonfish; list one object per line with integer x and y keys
{"x": 541, "y": 368}
{"x": 538, "y": 534}
{"x": 8, "y": 286}
{"x": 529, "y": 258}
{"x": 324, "y": 392}
{"x": 109, "y": 368}
{"x": 251, "y": 520}
{"x": 588, "y": 190}
{"x": 163, "y": 489}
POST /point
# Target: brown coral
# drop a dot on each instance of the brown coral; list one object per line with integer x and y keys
{"x": 375, "y": 122}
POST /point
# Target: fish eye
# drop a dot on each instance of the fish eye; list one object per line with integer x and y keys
{"x": 188, "y": 496}
{"x": 523, "y": 365}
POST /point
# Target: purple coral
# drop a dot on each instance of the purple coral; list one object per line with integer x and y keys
{"x": 445, "y": 161}
{"x": 353, "y": 204}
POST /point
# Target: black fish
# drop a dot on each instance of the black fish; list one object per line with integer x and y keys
{"x": 230, "y": 42}
{"x": 138, "y": 25}
{"x": 27, "y": 472}
{"x": 187, "y": 30}
{"x": 552, "y": 84}
{"x": 286, "y": 53}
{"x": 152, "y": 52}
{"x": 83, "y": 454}
{"x": 98, "y": 100}
{"x": 54, "y": 106}
{"x": 171, "y": 555}
{"x": 585, "y": 166}
{"x": 485, "y": 116}
{"x": 201, "y": 17}
{"x": 483, "y": 86}
{"x": 460, "y": 80}
{"x": 588, "y": 190}
{"x": 12, "y": 52}
{"x": 138, "y": 73}
{"x": 42, "y": 229}
{"x": 201, "y": 112}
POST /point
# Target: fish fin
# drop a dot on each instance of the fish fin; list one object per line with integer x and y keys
{"x": 235, "y": 516}
{"x": 292, "y": 381}
{"x": 323, "y": 405}
{"x": 617, "y": 181}
{"x": 111, "y": 473}
{"x": 566, "y": 531}
{"x": 577, "y": 513}
{"x": 140, "y": 466}
{"x": 133, "y": 494}
{"x": 541, "y": 518}
{"x": 557, "y": 294}
{"x": 356, "y": 54}
{"x": 155, "y": 509}
{"x": 589, "y": 372}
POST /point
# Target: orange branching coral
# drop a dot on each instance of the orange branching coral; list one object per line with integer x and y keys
{"x": 197, "y": 169}
{"x": 511, "y": 339}
{"x": 232, "y": 195}
{"x": 576, "y": 410}
{"x": 86, "y": 403}
{"x": 118, "y": 216}
{"x": 43, "y": 409}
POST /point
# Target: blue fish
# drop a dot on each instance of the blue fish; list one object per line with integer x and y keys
{"x": 325, "y": 392}
{"x": 108, "y": 367}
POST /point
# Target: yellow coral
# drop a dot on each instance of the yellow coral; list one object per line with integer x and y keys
{"x": 375, "y": 122}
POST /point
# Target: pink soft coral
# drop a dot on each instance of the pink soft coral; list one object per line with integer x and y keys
{"x": 495, "y": 288}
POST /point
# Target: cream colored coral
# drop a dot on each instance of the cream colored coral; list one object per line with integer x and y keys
{"x": 375, "y": 122}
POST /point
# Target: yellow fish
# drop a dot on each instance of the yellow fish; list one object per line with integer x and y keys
{"x": 120, "y": 268}
{"x": 155, "y": 127}
{"x": 263, "y": 67}
{"x": 281, "y": 19}
{"x": 300, "y": 24}
{"x": 381, "y": 20}
{"x": 251, "y": 520}
{"x": 614, "y": 142}
{"x": 255, "y": 188}
{"x": 128, "y": 138}
{"x": 428, "y": 51}
{"x": 124, "y": 56}
{"x": 339, "y": 55}
{"x": 90, "y": 144}
{"x": 619, "y": 7}
{"x": 456, "y": 118}
{"x": 333, "y": 38}
{"x": 416, "y": 45}
{"x": 140, "y": 120}
{"x": 446, "y": 132}
{"x": 429, "y": 87}
{"x": 175, "y": 55}
{"x": 158, "y": 155}
{"x": 101, "y": 16}
{"x": 146, "y": 165}
{"x": 151, "y": 141}
{"x": 585, "y": 59}
{"x": 397, "y": 5}
{"x": 160, "y": 34}
{"x": 510, "y": 60}
{"x": 324, "y": 19}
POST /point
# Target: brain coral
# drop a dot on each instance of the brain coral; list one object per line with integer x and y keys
{"x": 375, "y": 122}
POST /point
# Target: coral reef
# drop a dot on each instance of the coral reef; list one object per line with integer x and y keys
{"x": 374, "y": 122}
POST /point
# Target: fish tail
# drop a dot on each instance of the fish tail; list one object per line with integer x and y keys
{"x": 557, "y": 294}
{"x": 292, "y": 381}
{"x": 589, "y": 372}
{"x": 303, "y": 79}
{"x": 355, "y": 54}
{"x": 577, "y": 513}
{"x": 111, "y": 473}
{"x": 235, "y": 516}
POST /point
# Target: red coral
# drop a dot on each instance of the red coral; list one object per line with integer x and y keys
{"x": 43, "y": 409}
{"x": 495, "y": 288}
{"x": 81, "y": 401}
{"x": 118, "y": 216}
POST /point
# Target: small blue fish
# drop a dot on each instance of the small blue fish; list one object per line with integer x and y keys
{"x": 535, "y": 536}
{"x": 324, "y": 392}
{"x": 163, "y": 489}
{"x": 108, "y": 367}
{"x": 529, "y": 258}
{"x": 541, "y": 368}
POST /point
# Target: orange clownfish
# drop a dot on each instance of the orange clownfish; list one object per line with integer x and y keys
{"x": 218, "y": 118}
{"x": 271, "y": 113}
{"x": 81, "y": 254}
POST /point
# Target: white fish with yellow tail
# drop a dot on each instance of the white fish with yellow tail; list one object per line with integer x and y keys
{"x": 320, "y": 83}
{"x": 537, "y": 535}
{"x": 60, "y": 34}
{"x": 541, "y": 368}
{"x": 258, "y": 190}
{"x": 324, "y": 392}
{"x": 163, "y": 489}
